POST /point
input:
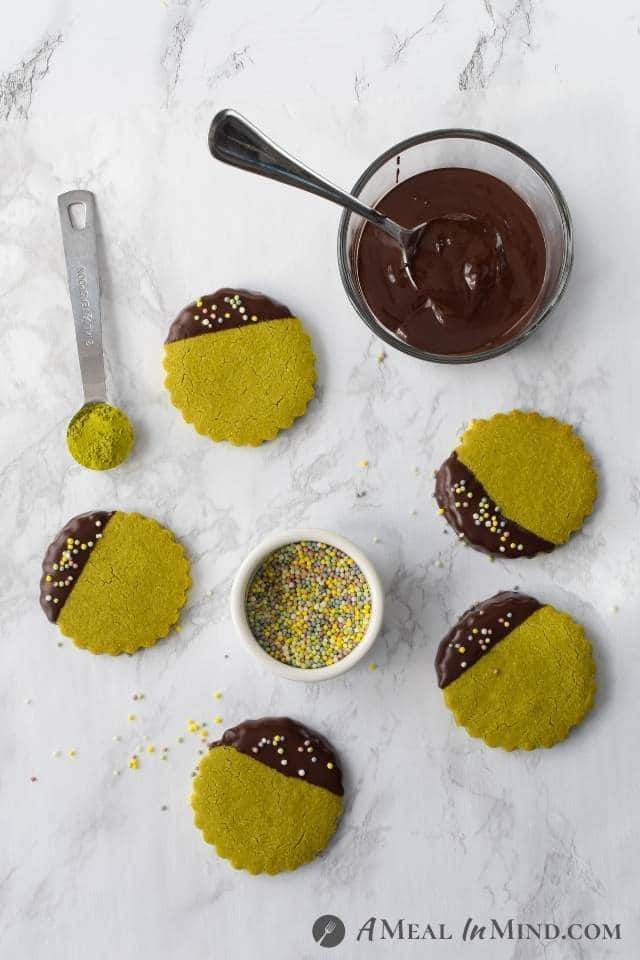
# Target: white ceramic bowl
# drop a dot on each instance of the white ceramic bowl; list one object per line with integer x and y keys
{"x": 245, "y": 575}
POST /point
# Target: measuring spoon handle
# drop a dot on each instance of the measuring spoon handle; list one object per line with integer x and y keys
{"x": 81, "y": 256}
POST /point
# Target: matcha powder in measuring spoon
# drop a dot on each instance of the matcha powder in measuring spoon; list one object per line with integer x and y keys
{"x": 99, "y": 436}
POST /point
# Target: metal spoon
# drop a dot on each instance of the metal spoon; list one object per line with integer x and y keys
{"x": 113, "y": 433}
{"x": 234, "y": 140}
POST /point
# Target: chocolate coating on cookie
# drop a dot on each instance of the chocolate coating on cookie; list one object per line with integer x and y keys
{"x": 66, "y": 558}
{"x": 223, "y": 310}
{"x": 478, "y": 631}
{"x": 289, "y": 748}
{"x": 477, "y": 518}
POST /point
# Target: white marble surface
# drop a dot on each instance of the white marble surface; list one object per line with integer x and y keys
{"x": 117, "y": 98}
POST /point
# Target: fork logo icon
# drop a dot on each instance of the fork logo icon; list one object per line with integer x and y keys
{"x": 328, "y": 931}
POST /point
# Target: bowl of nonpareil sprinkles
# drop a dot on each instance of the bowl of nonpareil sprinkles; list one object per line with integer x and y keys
{"x": 307, "y": 603}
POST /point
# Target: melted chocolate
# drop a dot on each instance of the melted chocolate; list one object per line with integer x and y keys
{"x": 478, "y": 631}
{"x": 224, "y": 310}
{"x": 478, "y": 269}
{"x": 478, "y": 519}
{"x": 287, "y": 747}
{"x": 67, "y": 557}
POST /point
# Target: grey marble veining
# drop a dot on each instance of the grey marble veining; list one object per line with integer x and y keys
{"x": 117, "y": 98}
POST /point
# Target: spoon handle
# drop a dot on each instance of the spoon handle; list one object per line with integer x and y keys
{"x": 237, "y": 142}
{"x": 77, "y": 218}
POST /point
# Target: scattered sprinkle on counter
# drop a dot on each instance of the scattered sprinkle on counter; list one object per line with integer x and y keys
{"x": 133, "y": 763}
{"x": 131, "y": 716}
{"x": 381, "y": 357}
{"x": 217, "y": 720}
{"x": 373, "y": 666}
{"x": 72, "y": 753}
{"x": 217, "y": 695}
{"x": 308, "y": 605}
{"x": 363, "y": 464}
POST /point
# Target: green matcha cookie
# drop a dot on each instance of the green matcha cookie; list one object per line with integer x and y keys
{"x": 268, "y": 795}
{"x": 239, "y": 366}
{"x": 518, "y": 484}
{"x": 114, "y": 582}
{"x": 516, "y": 673}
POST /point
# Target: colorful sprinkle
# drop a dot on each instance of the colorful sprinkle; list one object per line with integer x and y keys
{"x": 309, "y": 605}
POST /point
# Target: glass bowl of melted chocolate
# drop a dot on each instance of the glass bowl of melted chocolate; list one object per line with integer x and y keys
{"x": 492, "y": 263}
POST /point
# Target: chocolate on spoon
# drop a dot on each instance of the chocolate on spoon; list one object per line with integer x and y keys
{"x": 99, "y": 435}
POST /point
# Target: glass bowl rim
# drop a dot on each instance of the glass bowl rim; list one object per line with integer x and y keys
{"x": 456, "y": 133}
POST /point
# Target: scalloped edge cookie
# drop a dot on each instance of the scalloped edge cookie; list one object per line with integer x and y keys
{"x": 239, "y": 367}
{"x": 499, "y": 670}
{"x": 74, "y": 556}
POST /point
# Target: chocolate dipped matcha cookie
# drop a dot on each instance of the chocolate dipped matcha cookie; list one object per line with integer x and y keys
{"x": 516, "y": 673}
{"x": 268, "y": 795}
{"x": 114, "y": 582}
{"x": 239, "y": 366}
{"x": 517, "y": 485}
